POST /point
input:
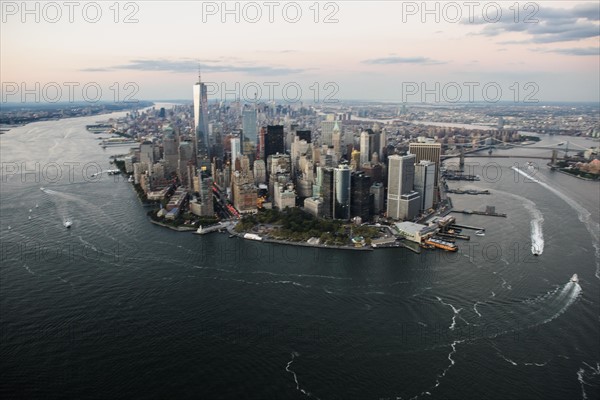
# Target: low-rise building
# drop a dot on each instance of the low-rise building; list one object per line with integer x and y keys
{"x": 414, "y": 232}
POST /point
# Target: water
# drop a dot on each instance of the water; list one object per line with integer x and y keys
{"x": 118, "y": 307}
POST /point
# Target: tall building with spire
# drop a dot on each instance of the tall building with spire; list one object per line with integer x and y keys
{"x": 201, "y": 124}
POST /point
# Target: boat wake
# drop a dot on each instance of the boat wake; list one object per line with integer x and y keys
{"x": 583, "y": 215}
{"x": 591, "y": 373}
{"x": 539, "y": 311}
{"x": 537, "y": 236}
{"x": 444, "y": 372}
{"x": 523, "y": 315}
{"x": 287, "y": 368}
{"x": 537, "y": 219}
{"x": 454, "y": 310}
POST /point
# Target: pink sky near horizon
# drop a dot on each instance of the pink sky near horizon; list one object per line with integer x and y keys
{"x": 338, "y": 52}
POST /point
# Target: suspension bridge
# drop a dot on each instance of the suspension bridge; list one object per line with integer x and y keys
{"x": 543, "y": 154}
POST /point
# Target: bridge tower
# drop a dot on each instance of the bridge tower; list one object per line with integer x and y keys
{"x": 461, "y": 164}
{"x": 554, "y": 156}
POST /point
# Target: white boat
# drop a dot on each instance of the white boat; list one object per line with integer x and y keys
{"x": 30, "y": 210}
{"x": 480, "y": 233}
{"x": 67, "y": 224}
{"x": 37, "y": 205}
{"x": 42, "y": 189}
{"x": 575, "y": 278}
{"x": 30, "y": 217}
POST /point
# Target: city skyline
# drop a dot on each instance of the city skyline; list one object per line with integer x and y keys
{"x": 358, "y": 58}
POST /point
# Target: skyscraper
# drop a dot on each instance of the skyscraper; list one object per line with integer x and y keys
{"x": 326, "y": 190}
{"x": 249, "y": 128}
{"x": 401, "y": 175}
{"x": 341, "y": 187}
{"x": 427, "y": 151}
{"x": 378, "y": 192}
{"x": 327, "y": 127}
{"x": 185, "y": 158}
{"x": 424, "y": 182}
{"x": 205, "y": 185}
{"x": 361, "y": 197}
{"x": 382, "y": 145}
{"x": 147, "y": 153}
{"x": 236, "y": 150}
{"x": 201, "y": 124}
{"x": 364, "y": 148}
{"x": 304, "y": 135}
{"x": 336, "y": 140}
{"x": 274, "y": 140}
{"x": 170, "y": 151}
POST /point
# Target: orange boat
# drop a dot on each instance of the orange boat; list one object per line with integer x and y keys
{"x": 441, "y": 244}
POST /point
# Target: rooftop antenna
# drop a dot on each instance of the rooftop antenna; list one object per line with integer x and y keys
{"x": 199, "y": 72}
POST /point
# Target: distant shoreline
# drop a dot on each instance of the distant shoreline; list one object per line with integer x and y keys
{"x": 5, "y": 127}
{"x": 577, "y": 176}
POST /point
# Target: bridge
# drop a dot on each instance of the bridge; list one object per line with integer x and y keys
{"x": 552, "y": 156}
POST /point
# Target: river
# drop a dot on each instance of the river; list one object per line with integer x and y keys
{"x": 118, "y": 307}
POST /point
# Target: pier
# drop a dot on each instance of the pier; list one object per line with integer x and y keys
{"x": 453, "y": 236}
{"x": 468, "y": 191}
{"x": 474, "y": 228}
{"x": 460, "y": 177}
{"x": 491, "y": 214}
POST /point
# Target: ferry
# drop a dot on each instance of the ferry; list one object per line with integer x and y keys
{"x": 441, "y": 244}
{"x": 575, "y": 278}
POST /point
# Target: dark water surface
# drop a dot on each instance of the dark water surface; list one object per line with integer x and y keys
{"x": 116, "y": 307}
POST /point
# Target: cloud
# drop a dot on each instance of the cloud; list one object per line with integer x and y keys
{"x": 581, "y": 51}
{"x": 95, "y": 69}
{"x": 546, "y": 25}
{"x": 402, "y": 60}
{"x": 190, "y": 65}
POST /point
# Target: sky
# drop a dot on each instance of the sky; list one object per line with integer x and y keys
{"x": 376, "y": 50}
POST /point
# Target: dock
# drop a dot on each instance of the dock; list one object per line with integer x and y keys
{"x": 468, "y": 191}
{"x": 491, "y": 214}
{"x": 453, "y": 236}
{"x": 460, "y": 177}
{"x": 473, "y": 228}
